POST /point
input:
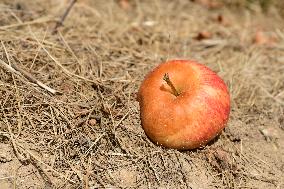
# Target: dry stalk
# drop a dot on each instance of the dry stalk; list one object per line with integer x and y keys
{"x": 28, "y": 23}
{"x": 20, "y": 72}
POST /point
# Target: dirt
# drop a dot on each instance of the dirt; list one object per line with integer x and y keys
{"x": 89, "y": 135}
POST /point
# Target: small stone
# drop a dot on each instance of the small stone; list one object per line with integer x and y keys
{"x": 92, "y": 122}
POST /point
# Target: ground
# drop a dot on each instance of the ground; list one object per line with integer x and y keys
{"x": 89, "y": 135}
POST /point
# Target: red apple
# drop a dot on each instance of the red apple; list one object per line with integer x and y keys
{"x": 183, "y": 104}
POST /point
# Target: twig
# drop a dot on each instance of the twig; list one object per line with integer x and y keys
{"x": 65, "y": 14}
{"x": 77, "y": 172}
{"x": 20, "y": 122}
{"x": 119, "y": 122}
{"x": 21, "y": 157}
{"x": 88, "y": 172}
{"x": 154, "y": 171}
{"x": 9, "y": 68}
{"x": 271, "y": 96}
{"x": 38, "y": 159}
{"x": 18, "y": 71}
{"x": 181, "y": 170}
{"x": 94, "y": 143}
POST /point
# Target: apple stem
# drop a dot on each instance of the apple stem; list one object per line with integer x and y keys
{"x": 169, "y": 82}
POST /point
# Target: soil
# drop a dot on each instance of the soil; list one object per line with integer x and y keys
{"x": 88, "y": 134}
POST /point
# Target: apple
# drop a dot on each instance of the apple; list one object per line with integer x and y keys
{"x": 183, "y": 104}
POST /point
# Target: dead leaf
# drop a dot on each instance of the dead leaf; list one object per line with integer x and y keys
{"x": 124, "y": 4}
{"x": 203, "y": 35}
{"x": 221, "y": 19}
{"x": 261, "y": 38}
{"x": 220, "y": 160}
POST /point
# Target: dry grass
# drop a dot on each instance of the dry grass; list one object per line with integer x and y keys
{"x": 89, "y": 136}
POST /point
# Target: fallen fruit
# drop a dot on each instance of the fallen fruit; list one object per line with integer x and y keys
{"x": 183, "y": 104}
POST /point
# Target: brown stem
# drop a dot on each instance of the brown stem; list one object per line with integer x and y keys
{"x": 63, "y": 17}
{"x": 169, "y": 82}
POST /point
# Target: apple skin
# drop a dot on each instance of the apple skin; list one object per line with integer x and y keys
{"x": 194, "y": 117}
